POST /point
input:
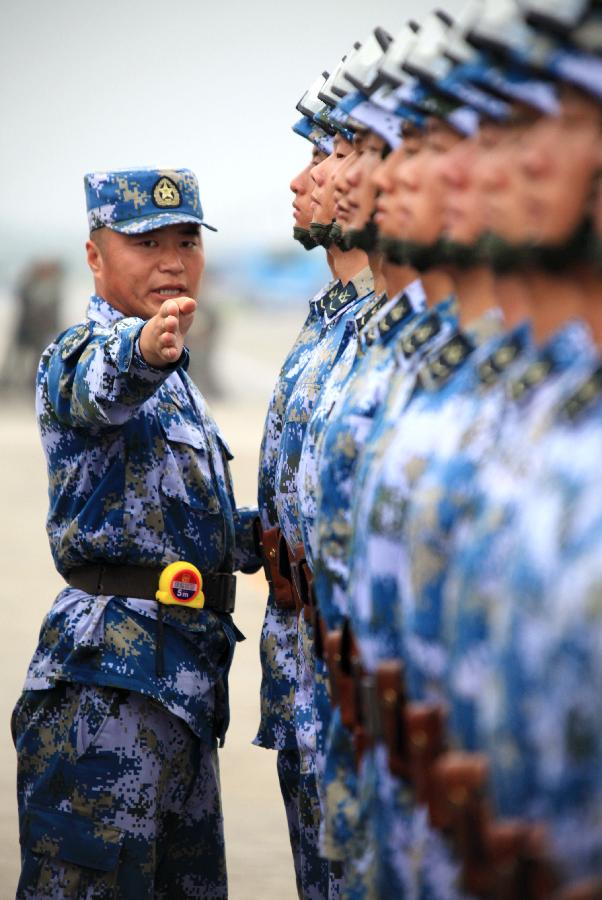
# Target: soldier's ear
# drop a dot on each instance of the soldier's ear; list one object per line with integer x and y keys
{"x": 94, "y": 256}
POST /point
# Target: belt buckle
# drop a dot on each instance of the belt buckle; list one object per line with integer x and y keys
{"x": 181, "y": 584}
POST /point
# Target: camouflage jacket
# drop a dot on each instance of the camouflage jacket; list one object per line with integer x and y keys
{"x": 138, "y": 475}
{"x": 428, "y": 332}
{"x": 278, "y": 632}
{"x": 279, "y": 635}
{"x": 338, "y": 329}
{"x": 342, "y": 440}
{"x": 528, "y": 618}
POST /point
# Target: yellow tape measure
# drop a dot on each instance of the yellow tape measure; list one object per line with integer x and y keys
{"x": 181, "y": 584}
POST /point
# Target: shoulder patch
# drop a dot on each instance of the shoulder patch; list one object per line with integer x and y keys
{"x": 74, "y": 339}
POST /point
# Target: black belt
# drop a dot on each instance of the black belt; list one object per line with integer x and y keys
{"x": 219, "y": 588}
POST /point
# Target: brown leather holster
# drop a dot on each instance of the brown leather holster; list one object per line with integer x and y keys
{"x": 332, "y": 655}
{"x": 519, "y": 862}
{"x": 348, "y": 686}
{"x": 303, "y": 582}
{"x": 267, "y": 541}
{"x": 500, "y": 859}
{"x": 460, "y": 807}
{"x": 286, "y": 558}
{"x": 351, "y": 672}
{"x": 390, "y": 691}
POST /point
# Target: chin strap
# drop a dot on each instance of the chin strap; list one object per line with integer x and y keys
{"x": 425, "y": 256}
{"x": 462, "y": 256}
{"x": 303, "y": 236}
{"x": 504, "y": 257}
{"x": 361, "y": 238}
{"x": 321, "y": 233}
{"x": 392, "y": 249}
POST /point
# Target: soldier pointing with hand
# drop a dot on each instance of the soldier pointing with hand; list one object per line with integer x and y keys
{"x": 126, "y": 697}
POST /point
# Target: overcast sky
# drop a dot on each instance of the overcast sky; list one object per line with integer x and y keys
{"x": 208, "y": 85}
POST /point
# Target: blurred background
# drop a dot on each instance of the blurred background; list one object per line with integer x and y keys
{"x": 211, "y": 86}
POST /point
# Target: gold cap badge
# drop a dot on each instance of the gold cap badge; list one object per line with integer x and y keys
{"x": 166, "y": 193}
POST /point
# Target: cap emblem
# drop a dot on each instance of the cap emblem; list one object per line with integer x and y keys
{"x": 166, "y": 193}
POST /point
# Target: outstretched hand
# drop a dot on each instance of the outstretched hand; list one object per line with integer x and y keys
{"x": 162, "y": 338}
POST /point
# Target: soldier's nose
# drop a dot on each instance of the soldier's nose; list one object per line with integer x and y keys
{"x": 171, "y": 262}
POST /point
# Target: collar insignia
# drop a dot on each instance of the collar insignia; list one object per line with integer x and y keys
{"x": 451, "y": 356}
{"x": 497, "y": 363}
{"x": 584, "y": 397}
{"x": 328, "y": 296}
{"x": 398, "y": 313}
{"x": 339, "y": 300}
{"x": 363, "y": 318}
{"x": 427, "y": 329}
{"x": 531, "y": 378}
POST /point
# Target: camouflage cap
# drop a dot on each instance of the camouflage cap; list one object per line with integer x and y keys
{"x": 308, "y": 129}
{"x": 133, "y": 201}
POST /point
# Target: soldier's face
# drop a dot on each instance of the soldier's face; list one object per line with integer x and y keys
{"x": 361, "y": 193}
{"x": 422, "y": 186}
{"x": 301, "y": 186}
{"x": 500, "y": 179}
{"x": 341, "y": 189}
{"x": 386, "y": 218}
{"x": 137, "y": 273}
{"x": 463, "y": 213}
{"x": 559, "y": 157}
{"x": 323, "y": 175}
{"x": 597, "y": 200}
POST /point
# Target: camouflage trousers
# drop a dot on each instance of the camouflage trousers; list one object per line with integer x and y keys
{"x": 411, "y": 859}
{"x": 320, "y": 878}
{"x": 117, "y": 798}
{"x": 288, "y": 775}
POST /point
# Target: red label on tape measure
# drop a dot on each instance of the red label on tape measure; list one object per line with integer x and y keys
{"x": 185, "y": 586}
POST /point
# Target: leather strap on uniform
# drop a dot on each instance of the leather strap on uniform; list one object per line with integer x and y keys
{"x": 349, "y": 679}
{"x": 332, "y": 653}
{"x": 308, "y": 597}
{"x": 296, "y": 556}
{"x": 267, "y": 541}
{"x": 390, "y": 688}
{"x": 320, "y": 633}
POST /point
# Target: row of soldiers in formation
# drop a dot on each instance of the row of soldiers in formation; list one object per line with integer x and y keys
{"x": 431, "y": 523}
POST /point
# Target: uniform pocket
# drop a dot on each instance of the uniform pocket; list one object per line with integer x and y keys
{"x": 187, "y": 475}
{"x": 68, "y": 855}
{"x": 97, "y": 706}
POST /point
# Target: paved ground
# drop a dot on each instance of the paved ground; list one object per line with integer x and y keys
{"x": 259, "y": 857}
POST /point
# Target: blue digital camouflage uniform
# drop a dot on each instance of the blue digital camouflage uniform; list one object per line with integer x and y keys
{"x": 443, "y": 497}
{"x": 276, "y": 729}
{"x": 546, "y": 646}
{"x": 138, "y": 475}
{"x": 279, "y": 631}
{"x": 311, "y": 673}
{"x": 410, "y": 856}
{"x": 530, "y": 620}
{"x": 336, "y": 453}
{"x": 423, "y": 334}
{"x": 481, "y": 541}
{"x": 337, "y": 311}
